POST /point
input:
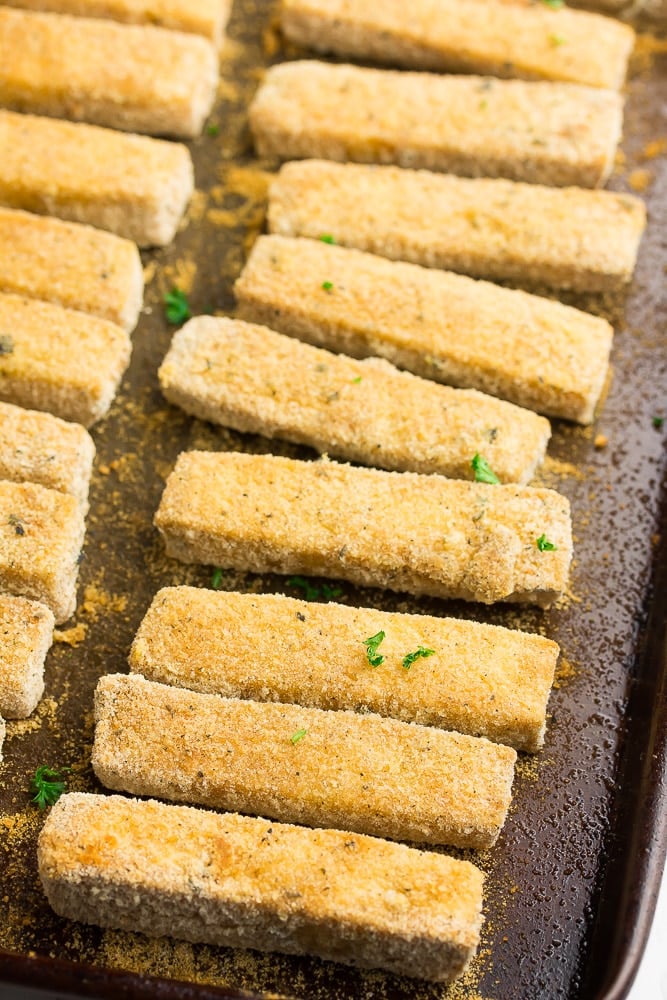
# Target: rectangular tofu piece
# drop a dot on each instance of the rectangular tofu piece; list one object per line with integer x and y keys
{"x": 205, "y": 17}
{"x": 529, "y": 350}
{"x": 40, "y": 448}
{"x": 261, "y": 382}
{"x": 482, "y": 680}
{"x": 75, "y": 266}
{"x": 236, "y": 881}
{"x": 131, "y": 185}
{"x": 59, "y": 360}
{"x": 26, "y": 631}
{"x": 345, "y": 770}
{"x": 132, "y": 77}
{"x": 529, "y": 41}
{"x": 41, "y": 534}
{"x": 399, "y": 530}
{"x": 546, "y": 133}
{"x": 501, "y": 230}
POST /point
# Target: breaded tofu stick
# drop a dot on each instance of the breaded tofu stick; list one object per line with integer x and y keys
{"x": 134, "y": 186}
{"x": 59, "y": 360}
{"x": 72, "y": 265}
{"x": 478, "y": 679}
{"x": 301, "y": 765}
{"x": 205, "y": 17}
{"x": 547, "y": 133}
{"x": 399, "y": 530}
{"x": 132, "y": 77}
{"x": 41, "y": 534}
{"x": 40, "y": 448}
{"x": 236, "y": 881}
{"x": 261, "y": 382}
{"x": 529, "y": 41}
{"x": 502, "y": 230}
{"x": 529, "y": 350}
{"x": 26, "y": 630}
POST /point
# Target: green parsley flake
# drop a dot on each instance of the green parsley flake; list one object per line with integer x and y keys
{"x": 177, "y": 307}
{"x": 420, "y": 653}
{"x": 327, "y": 286}
{"x": 327, "y": 238}
{"x": 554, "y": 4}
{"x": 216, "y": 579}
{"x": 212, "y": 130}
{"x": 372, "y": 644}
{"x": 483, "y": 471}
{"x": 544, "y": 545}
{"x": 314, "y": 591}
{"x": 298, "y": 735}
{"x": 357, "y": 380}
{"x": 48, "y": 786}
{"x": 658, "y": 422}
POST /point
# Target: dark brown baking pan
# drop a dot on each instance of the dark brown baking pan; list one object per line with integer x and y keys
{"x": 572, "y": 882}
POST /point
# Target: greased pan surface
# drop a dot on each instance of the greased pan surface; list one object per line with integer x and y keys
{"x": 572, "y": 879}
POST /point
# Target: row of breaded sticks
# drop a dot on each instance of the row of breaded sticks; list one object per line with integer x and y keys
{"x": 269, "y": 705}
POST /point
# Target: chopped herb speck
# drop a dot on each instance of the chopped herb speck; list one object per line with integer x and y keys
{"x": 327, "y": 286}
{"x": 177, "y": 307}
{"x": 212, "y": 130}
{"x": 216, "y": 579}
{"x": 483, "y": 471}
{"x": 544, "y": 545}
{"x": 48, "y": 786}
{"x": 298, "y": 735}
{"x": 327, "y": 238}
{"x": 372, "y": 644}
{"x": 420, "y": 653}
{"x": 658, "y": 422}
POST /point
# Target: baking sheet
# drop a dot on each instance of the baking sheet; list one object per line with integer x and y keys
{"x": 570, "y": 881}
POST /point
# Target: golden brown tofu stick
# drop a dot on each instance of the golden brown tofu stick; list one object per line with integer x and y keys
{"x": 301, "y": 765}
{"x": 40, "y": 448}
{"x": 250, "y": 883}
{"x": 255, "y": 380}
{"x": 26, "y": 628}
{"x": 400, "y": 530}
{"x": 472, "y": 678}
{"x": 205, "y": 17}
{"x": 131, "y": 77}
{"x": 132, "y": 185}
{"x": 546, "y": 133}
{"x": 529, "y": 350}
{"x": 532, "y": 42}
{"x": 41, "y": 534}
{"x": 72, "y": 265}
{"x": 527, "y": 233}
{"x": 59, "y": 360}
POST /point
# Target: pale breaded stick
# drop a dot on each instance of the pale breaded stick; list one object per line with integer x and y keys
{"x": 59, "y": 360}
{"x": 72, "y": 265}
{"x": 132, "y": 77}
{"x": 529, "y": 350}
{"x": 205, "y": 17}
{"x": 132, "y": 185}
{"x": 255, "y": 380}
{"x": 532, "y": 42}
{"x": 399, "y": 530}
{"x": 547, "y": 133}
{"x": 480, "y": 679}
{"x": 26, "y": 628}
{"x": 40, "y": 448}
{"x": 527, "y": 233}
{"x": 301, "y": 765}
{"x": 240, "y": 882}
{"x": 41, "y": 534}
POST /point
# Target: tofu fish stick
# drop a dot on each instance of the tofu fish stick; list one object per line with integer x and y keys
{"x": 344, "y": 770}
{"x": 130, "y": 77}
{"x": 27, "y": 633}
{"x": 206, "y": 17}
{"x": 131, "y": 185}
{"x": 478, "y": 679}
{"x": 501, "y": 230}
{"x": 532, "y": 42}
{"x": 529, "y": 350}
{"x": 59, "y": 360}
{"x": 40, "y": 448}
{"x": 557, "y": 134}
{"x": 399, "y": 530}
{"x": 75, "y": 266}
{"x": 235, "y": 881}
{"x": 261, "y": 382}
{"x": 41, "y": 534}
